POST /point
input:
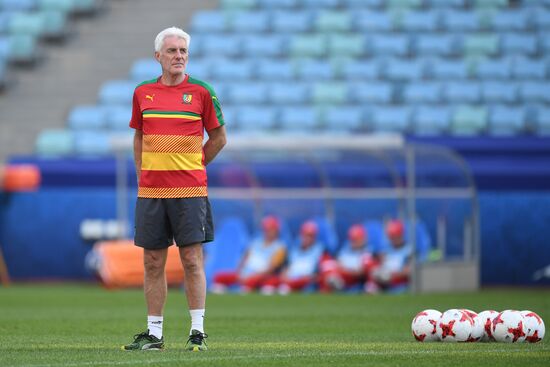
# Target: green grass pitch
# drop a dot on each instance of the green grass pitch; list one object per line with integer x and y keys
{"x": 85, "y": 325}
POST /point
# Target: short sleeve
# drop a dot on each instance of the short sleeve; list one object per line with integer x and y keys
{"x": 136, "y": 122}
{"x": 212, "y": 115}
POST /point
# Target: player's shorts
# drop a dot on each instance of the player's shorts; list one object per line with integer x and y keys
{"x": 160, "y": 222}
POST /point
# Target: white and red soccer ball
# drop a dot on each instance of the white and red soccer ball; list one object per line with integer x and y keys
{"x": 486, "y": 319}
{"x": 509, "y": 327}
{"x": 455, "y": 326}
{"x": 424, "y": 325}
{"x": 534, "y": 326}
{"x": 477, "y": 328}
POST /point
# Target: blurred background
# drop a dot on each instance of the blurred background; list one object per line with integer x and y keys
{"x": 436, "y": 112}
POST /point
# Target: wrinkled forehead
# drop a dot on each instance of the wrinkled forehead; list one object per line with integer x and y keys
{"x": 173, "y": 41}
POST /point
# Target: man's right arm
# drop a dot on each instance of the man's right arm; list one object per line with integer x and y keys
{"x": 138, "y": 147}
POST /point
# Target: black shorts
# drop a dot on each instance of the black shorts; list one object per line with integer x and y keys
{"x": 160, "y": 222}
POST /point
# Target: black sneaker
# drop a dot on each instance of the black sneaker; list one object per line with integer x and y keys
{"x": 196, "y": 341}
{"x": 144, "y": 341}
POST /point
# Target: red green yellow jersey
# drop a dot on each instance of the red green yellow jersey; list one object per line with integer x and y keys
{"x": 173, "y": 120}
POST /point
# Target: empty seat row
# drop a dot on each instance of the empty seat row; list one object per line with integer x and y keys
{"x": 67, "y": 6}
{"x": 215, "y": 21}
{"x": 18, "y": 48}
{"x": 50, "y": 24}
{"x": 97, "y": 117}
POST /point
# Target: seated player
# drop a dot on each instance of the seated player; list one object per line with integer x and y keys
{"x": 303, "y": 261}
{"x": 352, "y": 265}
{"x": 259, "y": 264}
{"x": 394, "y": 270}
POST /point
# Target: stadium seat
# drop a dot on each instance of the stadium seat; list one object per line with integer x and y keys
{"x": 283, "y": 93}
{"x": 228, "y": 69}
{"x": 491, "y": 4}
{"x": 215, "y": 46}
{"x": 431, "y": 120}
{"x": 481, "y": 44}
{"x": 254, "y": 119}
{"x": 278, "y": 4}
{"x": 320, "y": 4}
{"x": 445, "y": 70}
{"x": 375, "y": 232}
{"x": 247, "y": 93}
{"x": 423, "y": 92}
{"x": 499, "y": 92}
{"x": 347, "y": 45}
{"x": 373, "y": 21}
{"x": 267, "y": 45}
{"x": 117, "y": 118}
{"x": 461, "y": 20}
{"x": 249, "y": 22}
{"x": 292, "y": 21}
{"x": 309, "y": 69}
{"x": 308, "y": 45}
{"x": 360, "y": 4}
{"x": 469, "y": 120}
{"x": 420, "y": 21}
{"x": 469, "y": 92}
{"x": 267, "y": 69}
{"x": 525, "y": 44}
{"x": 65, "y": 6}
{"x": 55, "y": 143}
{"x": 542, "y": 18}
{"x": 33, "y": 24}
{"x": 446, "y": 3}
{"x": 493, "y": 69}
{"x": 511, "y": 20}
{"x": 145, "y": 69}
{"x": 87, "y": 118}
{"x": 406, "y": 4}
{"x": 542, "y": 121}
{"x": 4, "y": 21}
{"x": 238, "y": 4}
{"x": 22, "y": 49}
{"x": 17, "y": 5}
{"x": 330, "y": 93}
{"x": 404, "y": 69}
{"x": 354, "y": 70}
{"x": 506, "y": 120}
{"x": 370, "y": 92}
{"x": 209, "y": 21}
{"x": 343, "y": 119}
{"x": 535, "y": 92}
{"x": 544, "y": 42}
{"x": 116, "y": 92}
{"x": 391, "y": 119}
{"x": 199, "y": 69}
{"x": 396, "y": 45}
{"x": 298, "y": 119}
{"x": 5, "y": 48}
{"x": 333, "y": 21}
{"x": 525, "y": 68}
{"x": 439, "y": 45}
{"x": 88, "y": 143}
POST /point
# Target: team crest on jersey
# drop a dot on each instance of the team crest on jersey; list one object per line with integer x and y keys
{"x": 187, "y": 98}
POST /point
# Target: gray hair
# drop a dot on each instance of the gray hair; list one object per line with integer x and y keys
{"x": 168, "y": 32}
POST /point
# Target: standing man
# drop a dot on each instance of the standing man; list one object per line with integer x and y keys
{"x": 169, "y": 115}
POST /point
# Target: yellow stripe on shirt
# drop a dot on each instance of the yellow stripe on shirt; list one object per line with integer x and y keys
{"x": 171, "y": 161}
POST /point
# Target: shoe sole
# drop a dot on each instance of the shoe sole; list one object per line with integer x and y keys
{"x": 142, "y": 350}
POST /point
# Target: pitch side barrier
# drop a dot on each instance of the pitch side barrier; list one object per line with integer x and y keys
{"x": 356, "y": 178}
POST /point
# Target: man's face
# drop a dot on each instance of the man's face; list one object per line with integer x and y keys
{"x": 173, "y": 56}
{"x": 308, "y": 239}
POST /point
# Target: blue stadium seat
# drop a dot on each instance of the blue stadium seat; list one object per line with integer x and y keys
{"x": 461, "y": 20}
{"x": 499, "y": 92}
{"x": 467, "y": 92}
{"x": 544, "y": 42}
{"x": 87, "y": 118}
{"x": 333, "y": 21}
{"x": 397, "y": 45}
{"x": 278, "y": 4}
{"x": 542, "y": 18}
{"x": 445, "y": 70}
{"x": 268, "y": 69}
{"x": 309, "y": 69}
{"x": 215, "y": 46}
{"x": 542, "y": 121}
{"x": 327, "y": 234}
{"x": 253, "y": 119}
{"x": 404, "y": 69}
{"x": 116, "y": 92}
{"x": 292, "y": 21}
{"x": 22, "y": 48}
{"x": 506, "y": 120}
{"x": 511, "y": 20}
{"x": 199, "y": 68}
{"x": 5, "y": 46}
{"x": 440, "y": 45}
{"x": 494, "y": 69}
{"x": 427, "y": 20}
{"x": 535, "y": 92}
{"x": 391, "y": 119}
{"x": 282, "y": 93}
{"x": 431, "y": 120}
{"x": 373, "y": 21}
{"x": 375, "y": 233}
{"x": 249, "y": 21}
{"x": 372, "y": 92}
{"x": 55, "y": 143}
{"x": 513, "y": 43}
{"x": 207, "y": 21}
{"x": 446, "y": 3}
{"x": 118, "y": 117}
{"x": 320, "y": 4}
{"x": 347, "y": 45}
{"x": 233, "y": 5}
{"x": 88, "y": 143}
{"x": 4, "y": 21}
{"x": 298, "y": 119}
{"x": 268, "y": 45}
{"x": 145, "y": 69}
{"x": 469, "y": 120}
{"x": 525, "y": 68}
{"x": 248, "y": 93}
{"x": 354, "y": 70}
{"x": 311, "y": 45}
{"x": 343, "y": 119}
{"x": 18, "y": 5}
{"x": 423, "y": 92}
{"x": 24, "y": 23}
{"x": 230, "y": 116}
{"x": 360, "y": 4}
{"x": 330, "y": 93}
{"x": 228, "y": 69}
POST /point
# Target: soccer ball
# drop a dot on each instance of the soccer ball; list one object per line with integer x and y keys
{"x": 534, "y": 326}
{"x": 477, "y": 329}
{"x": 486, "y": 320}
{"x": 424, "y": 325}
{"x": 508, "y": 327}
{"x": 454, "y": 326}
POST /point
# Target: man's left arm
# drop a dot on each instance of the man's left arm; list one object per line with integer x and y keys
{"x": 216, "y": 141}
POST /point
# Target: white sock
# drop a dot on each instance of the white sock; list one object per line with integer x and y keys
{"x": 154, "y": 324}
{"x": 197, "y": 320}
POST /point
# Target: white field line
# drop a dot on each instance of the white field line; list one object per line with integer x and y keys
{"x": 210, "y": 358}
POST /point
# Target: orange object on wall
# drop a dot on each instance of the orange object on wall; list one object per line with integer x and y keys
{"x": 22, "y": 177}
{"x": 121, "y": 264}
